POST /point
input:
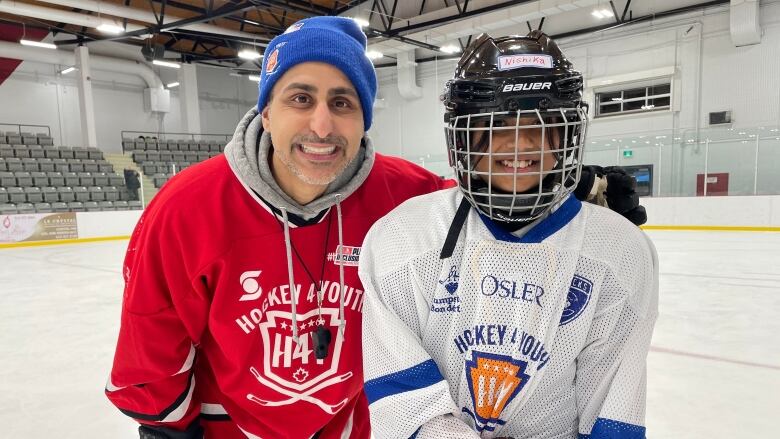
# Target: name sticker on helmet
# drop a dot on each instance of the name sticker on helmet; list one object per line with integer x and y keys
{"x": 509, "y": 62}
{"x": 527, "y": 86}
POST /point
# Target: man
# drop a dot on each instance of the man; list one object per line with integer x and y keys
{"x": 212, "y": 339}
{"x": 515, "y": 310}
{"x": 133, "y": 183}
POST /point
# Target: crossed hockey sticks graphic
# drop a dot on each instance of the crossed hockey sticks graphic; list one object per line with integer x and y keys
{"x": 305, "y": 396}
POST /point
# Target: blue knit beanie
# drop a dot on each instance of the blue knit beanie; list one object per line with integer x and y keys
{"x": 337, "y": 41}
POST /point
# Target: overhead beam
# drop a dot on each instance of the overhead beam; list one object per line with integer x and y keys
{"x": 370, "y": 32}
{"x": 614, "y": 11}
{"x": 653, "y": 16}
{"x": 220, "y": 12}
{"x": 349, "y": 6}
{"x": 672, "y": 12}
{"x": 625, "y": 10}
{"x": 451, "y": 18}
{"x": 296, "y": 6}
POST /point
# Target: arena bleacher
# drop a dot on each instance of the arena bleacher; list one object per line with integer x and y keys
{"x": 38, "y": 177}
{"x": 160, "y": 158}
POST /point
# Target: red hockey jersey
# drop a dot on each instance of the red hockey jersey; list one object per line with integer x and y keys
{"x": 206, "y": 319}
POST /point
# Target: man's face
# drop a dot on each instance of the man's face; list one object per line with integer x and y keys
{"x": 316, "y": 125}
{"x": 534, "y": 154}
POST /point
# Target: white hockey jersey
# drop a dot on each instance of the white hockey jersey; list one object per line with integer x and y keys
{"x": 544, "y": 336}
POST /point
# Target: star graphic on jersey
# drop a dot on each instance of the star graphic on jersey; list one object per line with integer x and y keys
{"x": 320, "y": 321}
{"x": 303, "y": 326}
{"x": 284, "y": 325}
{"x": 300, "y": 375}
{"x": 311, "y": 323}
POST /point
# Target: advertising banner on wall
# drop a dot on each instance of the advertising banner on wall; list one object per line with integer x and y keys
{"x": 38, "y": 227}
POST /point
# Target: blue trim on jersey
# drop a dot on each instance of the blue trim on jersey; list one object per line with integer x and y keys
{"x": 414, "y": 435}
{"x": 413, "y": 378}
{"x": 610, "y": 429}
{"x": 554, "y": 222}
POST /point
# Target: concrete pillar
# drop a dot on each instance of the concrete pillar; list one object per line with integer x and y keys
{"x": 188, "y": 99}
{"x": 86, "y": 101}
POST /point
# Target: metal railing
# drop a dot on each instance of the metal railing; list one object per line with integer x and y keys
{"x": 18, "y": 128}
{"x": 129, "y": 135}
{"x": 682, "y": 163}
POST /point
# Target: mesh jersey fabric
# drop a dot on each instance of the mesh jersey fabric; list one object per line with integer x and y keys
{"x": 540, "y": 337}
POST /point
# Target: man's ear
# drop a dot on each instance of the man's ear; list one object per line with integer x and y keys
{"x": 266, "y": 119}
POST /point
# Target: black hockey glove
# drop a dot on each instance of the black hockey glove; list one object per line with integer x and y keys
{"x": 622, "y": 196}
{"x": 194, "y": 431}
{"x": 611, "y": 187}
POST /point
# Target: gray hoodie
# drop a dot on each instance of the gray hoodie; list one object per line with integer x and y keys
{"x": 249, "y": 155}
{"x": 249, "y": 160}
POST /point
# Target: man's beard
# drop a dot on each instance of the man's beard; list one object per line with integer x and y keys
{"x": 322, "y": 181}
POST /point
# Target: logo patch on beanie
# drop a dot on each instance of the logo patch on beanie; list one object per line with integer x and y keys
{"x": 273, "y": 61}
{"x": 294, "y": 27}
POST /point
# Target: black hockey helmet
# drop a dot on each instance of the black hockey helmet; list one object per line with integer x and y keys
{"x": 512, "y": 73}
{"x": 514, "y": 78}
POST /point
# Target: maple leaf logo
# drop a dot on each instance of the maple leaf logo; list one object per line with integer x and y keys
{"x": 300, "y": 375}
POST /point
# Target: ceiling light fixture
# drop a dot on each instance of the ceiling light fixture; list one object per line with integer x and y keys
{"x": 249, "y": 54}
{"x": 161, "y": 63}
{"x": 255, "y": 78}
{"x": 602, "y": 13}
{"x": 362, "y": 22}
{"x": 37, "y": 44}
{"x": 374, "y": 55}
{"x": 67, "y": 70}
{"x": 110, "y": 28}
{"x": 450, "y": 48}
{"x": 172, "y": 85}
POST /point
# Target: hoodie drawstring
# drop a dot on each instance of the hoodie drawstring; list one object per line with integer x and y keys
{"x": 340, "y": 261}
{"x": 287, "y": 247}
{"x": 340, "y": 258}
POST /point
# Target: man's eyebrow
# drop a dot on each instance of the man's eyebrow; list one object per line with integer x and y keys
{"x": 301, "y": 86}
{"x": 342, "y": 91}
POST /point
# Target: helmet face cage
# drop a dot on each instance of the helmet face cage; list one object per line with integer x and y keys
{"x": 470, "y": 139}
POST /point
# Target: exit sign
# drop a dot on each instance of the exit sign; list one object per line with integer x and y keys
{"x": 628, "y": 153}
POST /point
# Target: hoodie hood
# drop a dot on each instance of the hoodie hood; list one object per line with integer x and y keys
{"x": 248, "y": 154}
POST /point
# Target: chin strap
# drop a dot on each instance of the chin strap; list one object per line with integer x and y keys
{"x": 457, "y": 224}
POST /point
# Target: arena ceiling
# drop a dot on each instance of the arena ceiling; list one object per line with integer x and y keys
{"x": 214, "y": 31}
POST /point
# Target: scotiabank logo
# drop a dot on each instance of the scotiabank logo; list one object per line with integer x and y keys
{"x": 252, "y": 289}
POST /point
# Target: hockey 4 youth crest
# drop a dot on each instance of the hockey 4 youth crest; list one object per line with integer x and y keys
{"x": 291, "y": 368}
{"x": 494, "y": 380}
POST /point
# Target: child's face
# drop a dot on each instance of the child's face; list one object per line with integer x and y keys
{"x": 519, "y": 154}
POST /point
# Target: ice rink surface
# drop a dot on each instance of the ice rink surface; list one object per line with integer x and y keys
{"x": 713, "y": 368}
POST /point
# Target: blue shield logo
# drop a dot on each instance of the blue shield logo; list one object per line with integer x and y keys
{"x": 577, "y": 299}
